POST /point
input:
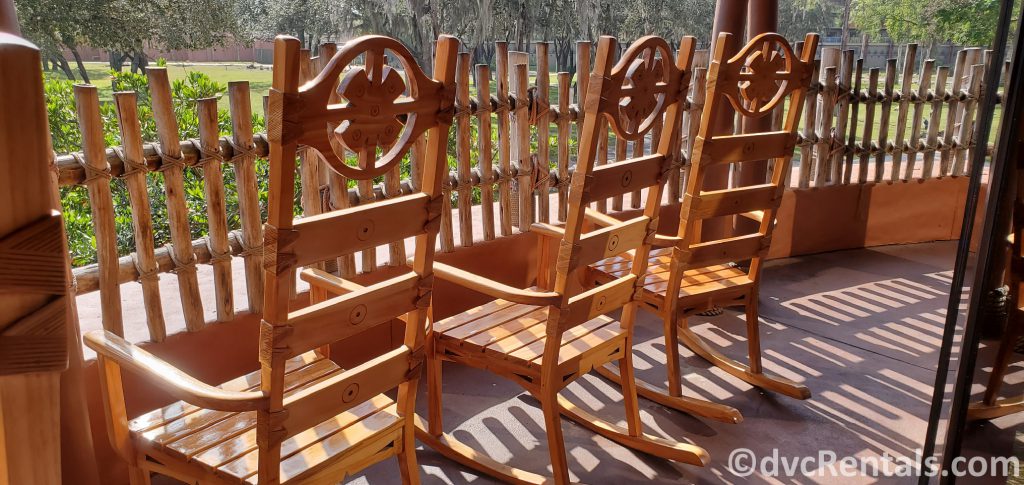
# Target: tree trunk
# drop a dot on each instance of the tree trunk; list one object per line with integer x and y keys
{"x": 117, "y": 60}
{"x": 62, "y": 63}
{"x": 81, "y": 66}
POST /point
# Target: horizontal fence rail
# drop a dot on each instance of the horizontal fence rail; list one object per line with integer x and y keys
{"x": 512, "y": 152}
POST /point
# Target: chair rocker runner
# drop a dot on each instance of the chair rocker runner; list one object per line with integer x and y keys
{"x": 301, "y": 418}
{"x": 756, "y": 81}
{"x": 544, "y": 338}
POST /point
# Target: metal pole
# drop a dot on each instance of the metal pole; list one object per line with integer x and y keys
{"x": 968, "y": 354}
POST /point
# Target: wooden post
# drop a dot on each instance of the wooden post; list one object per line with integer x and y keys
{"x": 34, "y": 323}
{"x": 172, "y": 166}
{"x": 142, "y": 216}
{"x": 210, "y": 161}
{"x": 938, "y": 99}
{"x": 915, "y": 144}
{"x": 485, "y": 164}
{"x": 97, "y": 180}
{"x": 830, "y": 59}
{"x": 504, "y": 163}
{"x": 543, "y": 124}
{"x": 946, "y": 152}
{"x": 564, "y": 80}
{"x": 464, "y": 187}
{"x": 884, "y": 147}
{"x": 248, "y": 196}
{"x": 520, "y": 141}
{"x": 730, "y": 16}
{"x": 906, "y": 88}
{"x": 867, "y": 142}
{"x": 856, "y": 98}
{"x": 839, "y": 148}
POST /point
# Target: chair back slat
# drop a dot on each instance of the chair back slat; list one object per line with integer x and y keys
{"x": 717, "y": 203}
{"x": 351, "y": 230}
{"x": 358, "y": 312}
{"x": 747, "y": 147}
{"x": 361, "y": 105}
{"x": 334, "y": 395}
{"x": 624, "y": 177}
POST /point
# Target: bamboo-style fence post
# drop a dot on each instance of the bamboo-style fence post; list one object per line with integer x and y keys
{"x": 211, "y": 163}
{"x": 97, "y": 181}
{"x": 837, "y": 148}
{"x": 620, "y": 155}
{"x": 884, "y": 146}
{"x": 582, "y": 83}
{"x": 309, "y": 159}
{"x": 134, "y": 176}
{"x": 856, "y": 99}
{"x": 504, "y": 153}
{"x": 698, "y": 94}
{"x": 952, "y": 111}
{"x": 485, "y": 164}
{"x": 172, "y": 165}
{"x": 807, "y": 143}
{"x": 965, "y": 135}
{"x": 915, "y": 145}
{"x": 903, "y": 97}
{"x": 35, "y": 322}
{"x": 868, "y": 147}
{"x": 562, "y": 120}
{"x": 242, "y": 161}
{"x": 825, "y": 115}
{"x": 520, "y": 142}
{"x": 463, "y": 176}
{"x": 937, "y": 97}
{"x": 542, "y": 120}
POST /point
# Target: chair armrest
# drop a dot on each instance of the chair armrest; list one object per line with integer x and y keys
{"x": 326, "y": 281}
{"x": 599, "y": 218}
{"x": 547, "y": 230}
{"x": 169, "y": 378}
{"x": 756, "y": 216}
{"x": 663, "y": 241}
{"x": 493, "y": 288}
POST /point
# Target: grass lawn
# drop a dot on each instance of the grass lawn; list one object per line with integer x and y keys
{"x": 259, "y": 79}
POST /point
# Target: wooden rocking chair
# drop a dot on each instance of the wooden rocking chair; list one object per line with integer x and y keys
{"x": 991, "y": 406}
{"x": 545, "y": 337}
{"x": 301, "y": 418}
{"x": 703, "y": 273}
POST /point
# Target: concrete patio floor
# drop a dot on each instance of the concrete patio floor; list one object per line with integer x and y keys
{"x": 861, "y": 328}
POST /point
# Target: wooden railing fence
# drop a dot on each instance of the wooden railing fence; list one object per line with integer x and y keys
{"x": 514, "y": 147}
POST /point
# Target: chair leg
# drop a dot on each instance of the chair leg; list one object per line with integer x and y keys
{"x": 628, "y": 384}
{"x": 675, "y": 378}
{"x": 407, "y": 456}
{"x": 435, "y": 424}
{"x": 138, "y": 475}
{"x": 1003, "y": 357}
{"x": 753, "y": 335}
{"x": 556, "y": 442}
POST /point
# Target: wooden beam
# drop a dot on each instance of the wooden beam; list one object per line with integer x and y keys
{"x": 29, "y": 385}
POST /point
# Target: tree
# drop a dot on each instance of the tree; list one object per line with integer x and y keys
{"x": 967, "y": 22}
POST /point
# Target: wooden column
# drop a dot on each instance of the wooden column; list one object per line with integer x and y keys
{"x": 730, "y": 16}
{"x": 33, "y": 272}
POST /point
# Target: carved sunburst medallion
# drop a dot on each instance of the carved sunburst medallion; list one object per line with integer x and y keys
{"x": 371, "y": 97}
